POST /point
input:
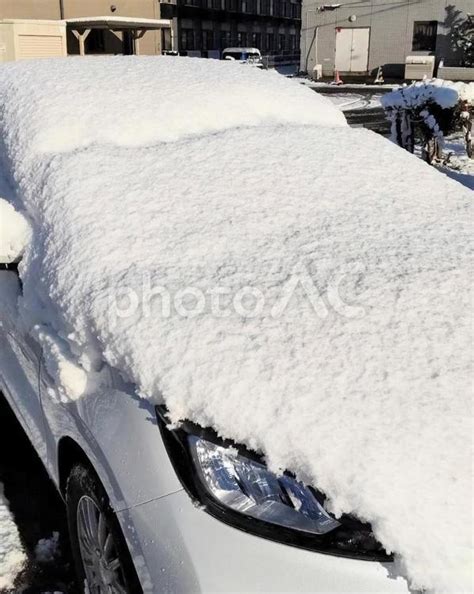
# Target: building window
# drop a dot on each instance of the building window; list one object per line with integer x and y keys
{"x": 281, "y": 42}
{"x": 225, "y": 39}
{"x": 293, "y": 42}
{"x": 231, "y": 5}
{"x": 252, "y": 6}
{"x": 208, "y": 40}
{"x": 187, "y": 39}
{"x": 165, "y": 39}
{"x": 241, "y": 39}
{"x": 270, "y": 41}
{"x": 256, "y": 40}
{"x": 424, "y": 36}
{"x": 265, "y": 7}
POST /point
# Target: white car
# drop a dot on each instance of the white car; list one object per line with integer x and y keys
{"x": 246, "y": 55}
{"x": 153, "y": 504}
{"x": 159, "y": 510}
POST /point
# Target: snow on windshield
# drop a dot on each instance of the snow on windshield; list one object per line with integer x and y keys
{"x": 134, "y": 103}
{"x": 300, "y": 286}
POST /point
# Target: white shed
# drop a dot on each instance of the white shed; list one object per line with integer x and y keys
{"x": 27, "y": 39}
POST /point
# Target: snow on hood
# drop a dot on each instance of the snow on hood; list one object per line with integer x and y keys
{"x": 303, "y": 289}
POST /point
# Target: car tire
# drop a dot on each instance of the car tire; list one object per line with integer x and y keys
{"x": 101, "y": 556}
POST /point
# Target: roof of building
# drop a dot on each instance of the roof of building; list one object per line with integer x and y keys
{"x": 30, "y": 21}
{"x": 118, "y": 23}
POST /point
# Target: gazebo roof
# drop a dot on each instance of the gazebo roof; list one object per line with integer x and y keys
{"x": 117, "y": 23}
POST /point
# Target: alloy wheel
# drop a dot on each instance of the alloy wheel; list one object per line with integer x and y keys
{"x": 100, "y": 558}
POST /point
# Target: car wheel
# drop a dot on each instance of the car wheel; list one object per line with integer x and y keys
{"x": 101, "y": 556}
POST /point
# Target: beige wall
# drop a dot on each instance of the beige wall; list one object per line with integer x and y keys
{"x": 31, "y": 39}
{"x": 29, "y": 9}
{"x": 49, "y": 9}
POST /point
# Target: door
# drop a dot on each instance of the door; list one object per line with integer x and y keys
{"x": 352, "y": 49}
{"x": 19, "y": 364}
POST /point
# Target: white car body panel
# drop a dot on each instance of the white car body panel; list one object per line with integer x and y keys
{"x": 184, "y": 549}
{"x": 118, "y": 432}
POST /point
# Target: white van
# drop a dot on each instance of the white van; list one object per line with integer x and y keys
{"x": 250, "y": 55}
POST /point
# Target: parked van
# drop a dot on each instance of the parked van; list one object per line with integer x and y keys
{"x": 251, "y": 55}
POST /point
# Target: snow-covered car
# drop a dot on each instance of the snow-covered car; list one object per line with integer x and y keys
{"x": 235, "y": 330}
{"x": 245, "y": 55}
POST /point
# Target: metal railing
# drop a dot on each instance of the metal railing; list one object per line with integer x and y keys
{"x": 285, "y": 58}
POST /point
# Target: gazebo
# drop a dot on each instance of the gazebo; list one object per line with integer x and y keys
{"x": 137, "y": 27}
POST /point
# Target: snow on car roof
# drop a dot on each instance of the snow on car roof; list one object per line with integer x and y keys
{"x": 165, "y": 99}
{"x": 261, "y": 268}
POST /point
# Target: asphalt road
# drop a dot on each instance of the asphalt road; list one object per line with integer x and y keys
{"x": 367, "y": 111}
{"x": 37, "y": 508}
{"x": 371, "y": 118}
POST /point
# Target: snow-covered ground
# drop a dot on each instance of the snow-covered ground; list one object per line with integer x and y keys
{"x": 362, "y": 86}
{"x": 457, "y": 164}
{"x": 31, "y": 558}
{"x": 362, "y": 389}
{"x": 12, "y": 554}
{"x": 346, "y": 101}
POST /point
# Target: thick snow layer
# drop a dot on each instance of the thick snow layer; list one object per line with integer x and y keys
{"x": 14, "y": 233}
{"x": 164, "y": 99}
{"x": 12, "y": 555}
{"x": 303, "y": 289}
{"x": 443, "y": 92}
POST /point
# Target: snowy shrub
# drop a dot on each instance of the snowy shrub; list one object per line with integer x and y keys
{"x": 426, "y": 112}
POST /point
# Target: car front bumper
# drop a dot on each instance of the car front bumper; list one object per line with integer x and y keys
{"x": 180, "y": 549}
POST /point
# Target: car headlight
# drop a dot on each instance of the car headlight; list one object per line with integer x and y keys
{"x": 233, "y": 484}
{"x": 248, "y": 487}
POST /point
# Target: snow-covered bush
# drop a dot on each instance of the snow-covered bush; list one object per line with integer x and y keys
{"x": 427, "y": 111}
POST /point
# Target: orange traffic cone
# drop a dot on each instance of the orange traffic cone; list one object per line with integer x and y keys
{"x": 337, "y": 79}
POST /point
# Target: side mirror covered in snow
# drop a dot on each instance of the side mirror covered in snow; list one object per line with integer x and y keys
{"x": 15, "y": 233}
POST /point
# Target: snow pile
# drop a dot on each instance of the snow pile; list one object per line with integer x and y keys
{"x": 466, "y": 91}
{"x": 12, "y": 555}
{"x": 14, "y": 233}
{"x": 47, "y": 549}
{"x": 273, "y": 281}
{"x": 444, "y": 93}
